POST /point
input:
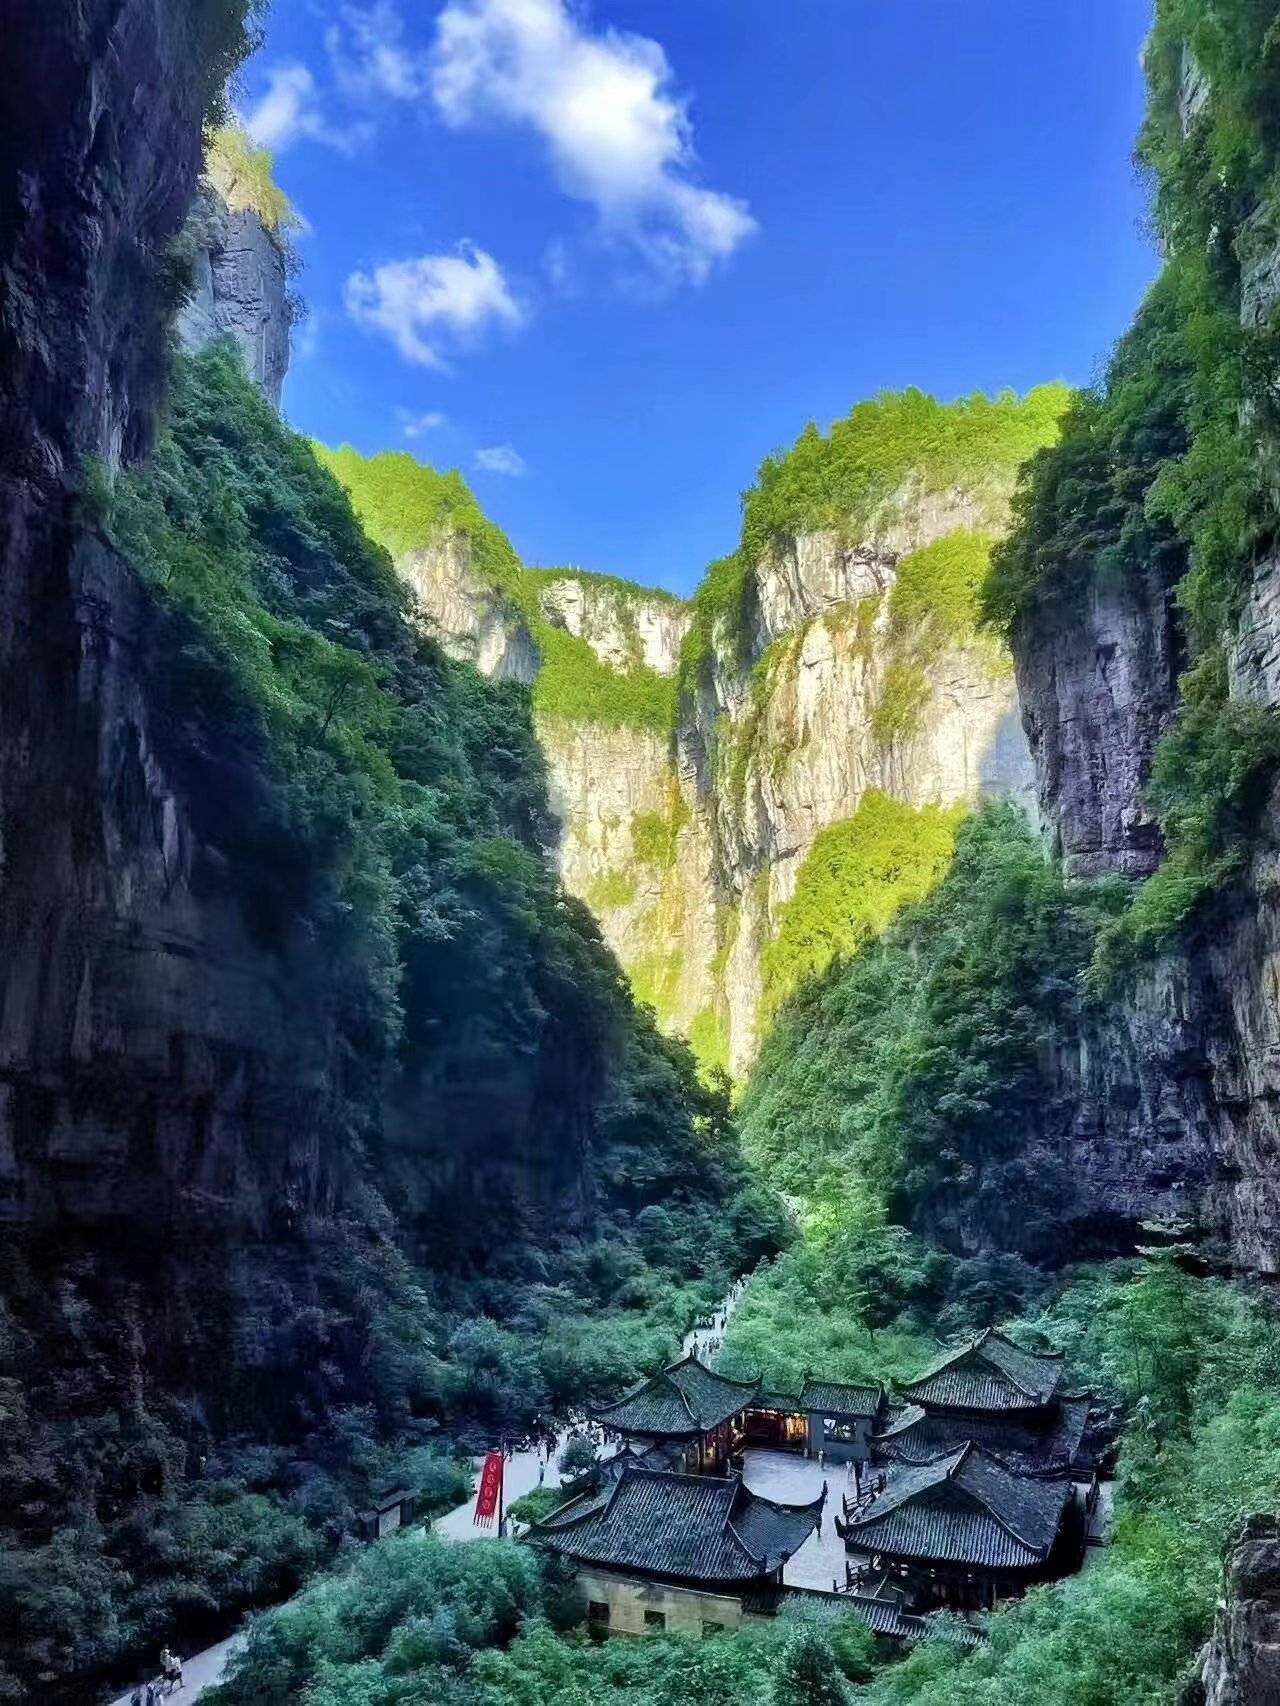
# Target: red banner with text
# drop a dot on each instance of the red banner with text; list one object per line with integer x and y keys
{"x": 490, "y": 1489}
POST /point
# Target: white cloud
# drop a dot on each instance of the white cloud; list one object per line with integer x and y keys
{"x": 370, "y": 57}
{"x": 500, "y": 459}
{"x": 290, "y": 109}
{"x": 414, "y": 426}
{"x": 450, "y": 296}
{"x": 618, "y": 134}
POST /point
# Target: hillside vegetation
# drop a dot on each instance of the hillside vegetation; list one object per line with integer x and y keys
{"x": 407, "y": 505}
{"x": 192, "y": 1423}
{"x": 1168, "y": 468}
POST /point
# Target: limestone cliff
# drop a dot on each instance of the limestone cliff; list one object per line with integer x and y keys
{"x": 788, "y": 734}
{"x": 1241, "y": 1664}
{"x": 1170, "y": 1092}
{"x": 686, "y": 840}
{"x": 239, "y": 288}
{"x": 149, "y": 1059}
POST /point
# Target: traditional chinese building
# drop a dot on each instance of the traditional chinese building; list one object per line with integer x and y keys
{"x": 1003, "y": 1398}
{"x": 702, "y": 1419}
{"x": 655, "y": 1549}
{"x": 961, "y": 1531}
{"x": 695, "y": 1413}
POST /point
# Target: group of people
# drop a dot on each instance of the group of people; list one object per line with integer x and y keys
{"x": 170, "y": 1678}
{"x": 717, "y": 1321}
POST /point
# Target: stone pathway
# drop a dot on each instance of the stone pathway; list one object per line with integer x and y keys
{"x": 520, "y": 1476}
{"x": 699, "y": 1339}
{"x": 794, "y": 1480}
{"x": 200, "y": 1672}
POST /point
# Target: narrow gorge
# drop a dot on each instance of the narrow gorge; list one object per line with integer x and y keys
{"x": 432, "y": 983}
{"x": 823, "y": 693}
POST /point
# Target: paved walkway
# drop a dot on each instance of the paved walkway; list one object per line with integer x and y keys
{"x": 521, "y": 1472}
{"x": 794, "y": 1480}
{"x": 198, "y": 1673}
{"x": 701, "y": 1339}
{"x": 520, "y": 1476}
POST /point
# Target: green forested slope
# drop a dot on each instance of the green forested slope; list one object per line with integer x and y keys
{"x": 192, "y": 1428}
{"x": 406, "y": 506}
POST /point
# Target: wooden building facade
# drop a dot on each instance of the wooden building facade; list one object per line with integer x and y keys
{"x": 961, "y": 1532}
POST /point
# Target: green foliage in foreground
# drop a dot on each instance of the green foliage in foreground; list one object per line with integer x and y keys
{"x": 1197, "y": 1363}
{"x": 406, "y": 506}
{"x": 856, "y": 877}
{"x": 417, "y": 1623}
{"x": 909, "y": 1075}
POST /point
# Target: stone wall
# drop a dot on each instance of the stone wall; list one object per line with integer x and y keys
{"x": 685, "y": 1611}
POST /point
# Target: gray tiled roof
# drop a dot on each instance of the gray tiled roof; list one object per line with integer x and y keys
{"x": 885, "y": 1616}
{"x": 965, "y": 1507}
{"x": 785, "y": 1401}
{"x": 693, "y": 1527}
{"x": 992, "y": 1373}
{"x": 912, "y": 1434}
{"x": 834, "y": 1398}
{"x": 685, "y": 1399}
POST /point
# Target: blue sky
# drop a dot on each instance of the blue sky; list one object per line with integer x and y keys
{"x": 603, "y": 259}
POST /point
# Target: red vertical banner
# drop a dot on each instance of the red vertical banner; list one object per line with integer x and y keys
{"x": 490, "y": 1489}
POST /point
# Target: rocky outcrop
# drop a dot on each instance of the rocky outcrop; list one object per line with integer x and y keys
{"x": 687, "y": 847}
{"x": 150, "y": 1060}
{"x": 239, "y": 289}
{"x": 622, "y": 629}
{"x": 1097, "y": 681}
{"x": 788, "y": 738}
{"x": 1170, "y": 1097}
{"x": 471, "y": 620}
{"x": 164, "y": 1056}
{"x": 1241, "y": 1664}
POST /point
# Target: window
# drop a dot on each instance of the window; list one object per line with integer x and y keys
{"x": 710, "y": 1628}
{"x": 655, "y": 1620}
{"x": 832, "y": 1428}
{"x": 597, "y": 1611}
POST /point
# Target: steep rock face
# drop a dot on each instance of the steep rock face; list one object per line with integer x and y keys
{"x": 145, "y": 1049}
{"x": 160, "y": 1058}
{"x": 1169, "y": 1094}
{"x": 1241, "y": 1664}
{"x": 470, "y": 620}
{"x": 239, "y": 289}
{"x": 1097, "y": 682}
{"x": 620, "y": 631}
{"x": 634, "y": 846}
{"x": 1169, "y": 1099}
{"x": 687, "y": 848}
{"x": 790, "y": 738}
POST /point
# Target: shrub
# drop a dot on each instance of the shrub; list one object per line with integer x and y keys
{"x": 857, "y": 875}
